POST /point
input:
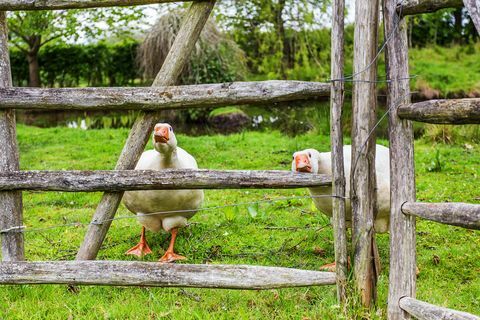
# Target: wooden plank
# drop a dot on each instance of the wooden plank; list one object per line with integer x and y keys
{"x": 409, "y": 7}
{"x": 473, "y": 7}
{"x": 171, "y": 179}
{"x": 402, "y": 278}
{"x": 161, "y": 98}
{"x": 336, "y": 138}
{"x": 10, "y": 202}
{"x": 154, "y": 274}
{"x": 426, "y": 311}
{"x": 363, "y": 147}
{"x": 14, "y": 5}
{"x": 182, "y": 47}
{"x": 464, "y": 215}
{"x": 445, "y": 111}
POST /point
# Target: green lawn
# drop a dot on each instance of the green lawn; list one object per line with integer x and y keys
{"x": 448, "y": 257}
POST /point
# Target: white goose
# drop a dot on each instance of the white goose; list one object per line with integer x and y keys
{"x": 310, "y": 160}
{"x": 166, "y": 155}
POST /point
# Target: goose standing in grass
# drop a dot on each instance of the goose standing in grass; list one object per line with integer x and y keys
{"x": 310, "y": 160}
{"x": 145, "y": 204}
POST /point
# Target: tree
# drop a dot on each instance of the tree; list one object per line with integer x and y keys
{"x": 271, "y": 28}
{"x": 444, "y": 27}
{"x": 31, "y": 30}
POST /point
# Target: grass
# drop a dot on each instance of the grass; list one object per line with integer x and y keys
{"x": 447, "y": 256}
{"x": 453, "y": 71}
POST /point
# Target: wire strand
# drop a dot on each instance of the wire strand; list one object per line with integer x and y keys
{"x": 24, "y": 229}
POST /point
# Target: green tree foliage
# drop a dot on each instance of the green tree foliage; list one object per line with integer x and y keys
{"x": 32, "y": 30}
{"x": 276, "y": 34}
{"x": 114, "y": 65}
{"x": 444, "y": 28}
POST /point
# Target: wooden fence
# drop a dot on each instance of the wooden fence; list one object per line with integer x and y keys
{"x": 402, "y": 278}
{"x": 165, "y": 95}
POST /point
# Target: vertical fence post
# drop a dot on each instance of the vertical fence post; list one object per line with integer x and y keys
{"x": 179, "y": 54}
{"x": 336, "y": 138}
{"x": 402, "y": 173}
{"x": 10, "y": 202}
{"x": 363, "y": 148}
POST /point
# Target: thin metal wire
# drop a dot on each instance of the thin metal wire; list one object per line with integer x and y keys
{"x": 24, "y": 229}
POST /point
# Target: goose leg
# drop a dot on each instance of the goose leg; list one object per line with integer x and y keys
{"x": 142, "y": 248}
{"x": 331, "y": 267}
{"x": 169, "y": 255}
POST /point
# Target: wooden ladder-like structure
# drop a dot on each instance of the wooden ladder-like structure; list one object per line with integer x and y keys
{"x": 164, "y": 95}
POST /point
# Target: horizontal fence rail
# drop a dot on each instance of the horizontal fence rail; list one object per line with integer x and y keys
{"x": 409, "y": 7}
{"x": 426, "y": 311}
{"x": 158, "y": 98}
{"x": 171, "y": 179}
{"x": 445, "y": 111}
{"x": 458, "y": 214}
{"x": 132, "y": 273}
{"x": 13, "y": 5}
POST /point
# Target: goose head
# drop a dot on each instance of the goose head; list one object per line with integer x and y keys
{"x": 306, "y": 161}
{"x": 164, "y": 139}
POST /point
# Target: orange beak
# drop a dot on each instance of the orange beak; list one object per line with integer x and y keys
{"x": 302, "y": 163}
{"x": 161, "y": 134}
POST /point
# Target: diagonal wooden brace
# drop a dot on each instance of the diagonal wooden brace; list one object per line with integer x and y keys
{"x": 473, "y": 7}
{"x": 10, "y": 202}
{"x": 169, "y": 74}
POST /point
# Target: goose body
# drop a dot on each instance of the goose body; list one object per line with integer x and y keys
{"x": 151, "y": 201}
{"x": 167, "y": 209}
{"x": 310, "y": 160}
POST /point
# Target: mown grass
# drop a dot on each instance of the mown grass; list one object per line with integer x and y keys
{"x": 282, "y": 233}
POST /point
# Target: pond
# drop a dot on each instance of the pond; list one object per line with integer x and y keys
{"x": 291, "y": 118}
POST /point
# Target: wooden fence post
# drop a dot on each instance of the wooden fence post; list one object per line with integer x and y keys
{"x": 402, "y": 173}
{"x": 336, "y": 137}
{"x": 363, "y": 148}
{"x": 192, "y": 25}
{"x": 11, "y": 201}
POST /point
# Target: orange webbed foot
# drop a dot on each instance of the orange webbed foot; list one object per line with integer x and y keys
{"x": 170, "y": 257}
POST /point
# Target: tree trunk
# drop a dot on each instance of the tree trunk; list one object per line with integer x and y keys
{"x": 33, "y": 70}
{"x": 280, "y": 28}
{"x": 32, "y": 57}
{"x": 457, "y": 14}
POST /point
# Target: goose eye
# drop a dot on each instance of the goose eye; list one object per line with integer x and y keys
{"x": 293, "y": 157}
{"x": 171, "y": 129}
{"x": 309, "y": 155}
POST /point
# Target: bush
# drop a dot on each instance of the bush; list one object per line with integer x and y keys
{"x": 63, "y": 65}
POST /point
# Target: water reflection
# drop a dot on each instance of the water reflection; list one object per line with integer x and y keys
{"x": 290, "y": 118}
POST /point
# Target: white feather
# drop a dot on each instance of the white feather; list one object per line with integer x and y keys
{"x": 144, "y": 203}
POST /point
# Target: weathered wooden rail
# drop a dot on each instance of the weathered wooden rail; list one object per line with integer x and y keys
{"x": 154, "y": 274}
{"x": 13, "y": 5}
{"x": 336, "y": 140}
{"x": 445, "y": 111}
{"x": 410, "y": 7}
{"x": 170, "y": 179}
{"x": 162, "y": 98}
{"x": 363, "y": 187}
{"x": 402, "y": 279}
{"x": 458, "y": 214}
{"x": 426, "y": 311}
